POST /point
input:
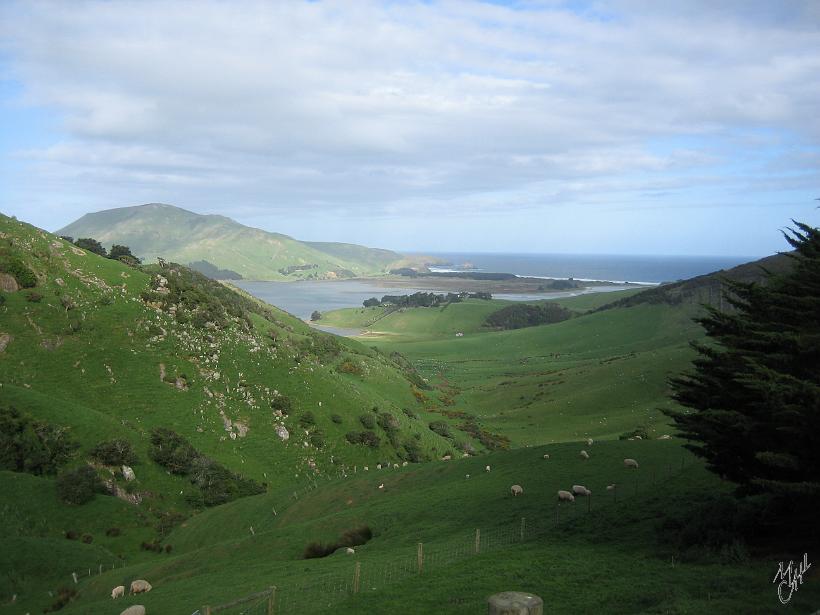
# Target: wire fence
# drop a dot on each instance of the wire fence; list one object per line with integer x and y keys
{"x": 319, "y": 593}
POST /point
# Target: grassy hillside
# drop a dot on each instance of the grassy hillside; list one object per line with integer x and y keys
{"x": 110, "y": 351}
{"x": 157, "y": 230}
{"x": 618, "y": 557}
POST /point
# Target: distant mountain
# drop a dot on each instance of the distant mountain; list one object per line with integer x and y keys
{"x": 709, "y": 288}
{"x": 163, "y": 231}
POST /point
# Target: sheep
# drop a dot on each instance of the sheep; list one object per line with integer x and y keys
{"x": 630, "y": 463}
{"x": 611, "y": 487}
{"x": 378, "y": 466}
{"x": 546, "y": 456}
{"x": 581, "y": 490}
{"x": 137, "y": 609}
{"x": 517, "y": 490}
{"x": 350, "y": 551}
{"x": 381, "y": 486}
{"x": 118, "y": 592}
{"x": 404, "y": 464}
{"x": 366, "y": 469}
{"x": 446, "y": 458}
{"x": 395, "y": 466}
{"x": 584, "y": 455}
{"x": 565, "y": 496}
{"x": 487, "y": 469}
{"x": 139, "y": 586}
{"x": 665, "y": 437}
{"x": 589, "y": 441}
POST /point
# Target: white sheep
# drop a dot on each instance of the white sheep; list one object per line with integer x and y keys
{"x": 139, "y": 586}
{"x": 546, "y": 456}
{"x": 378, "y": 466}
{"x": 565, "y": 496}
{"x": 366, "y": 469}
{"x": 638, "y": 438}
{"x": 611, "y": 487}
{"x": 404, "y": 464}
{"x": 118, "y": 592}
{"x": 137, "y": 609}
{"x": 466, "y": 476}
{"x": 446, "y": 458}
{"x": 381, "y": 486}
{"x": 581, "y": 490}
{"x": 630, "y": 463}
{"x": 589, "y": 441}
{"x": 350, "y": 551}
{"x": 665, "y": 437}
{"x": 487, "y": 469}
{"x": 395, "y": 466}
{"x": 517, "y": 490}
{"x": 584, "y": 455}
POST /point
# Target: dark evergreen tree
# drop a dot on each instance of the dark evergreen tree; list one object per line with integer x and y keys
{"x": 118, "y": 252}
{"x": 752, "y": 402}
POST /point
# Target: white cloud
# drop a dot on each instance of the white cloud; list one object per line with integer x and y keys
{"x": 382, "y": 108}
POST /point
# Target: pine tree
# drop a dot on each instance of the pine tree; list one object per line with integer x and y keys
{"x": 752, "y": 402}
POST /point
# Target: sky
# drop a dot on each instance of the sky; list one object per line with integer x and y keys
{"x": 621, "y": 127}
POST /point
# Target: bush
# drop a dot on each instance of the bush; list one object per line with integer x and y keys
{"x": 336, "y": 419}
{"x": 318, "y": 549}
{"x": 281, "y": 403}
{"x": 441, "y": 428}
{"x": 354, "y": 437}
{"x": 171, "y": 451}
{"x": 367, "y": 421}
{"x": 350, "y": 538}
{"x": 79, "y": 485}
{"x": 168, "y": 548}
{"x": 32, "y": 446}
{"x": 64, "y": 596}
{"x": 87, "y": 539}
{"x": 14, "y": 267}
{"x": 368, "y": 438}
{"x": 409, "y": 413}
{"x": 317, "y": 440}
{"x": 116, "y": 452}
{"x": 72, "y": 535}
{"x": 522, "y": 315}
{"x": 307, "y": 420}
{"x": 640, "y": 431}
{"x": 33, "y": 297}
{"x": 90, "y": 244}
{"x": 350, "y": 367}
{"x": 113, "y": 531}
{"x": 388, "y": 422}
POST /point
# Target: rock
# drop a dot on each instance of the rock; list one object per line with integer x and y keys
{"x": 128, "y": 473}
{"x": 5, "y": 340}
{"x": 8, "y": 283}
{"x": 515, "y": 603}
{"x": 282, "y": 432}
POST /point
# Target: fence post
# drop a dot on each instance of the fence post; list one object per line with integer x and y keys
{"x": 357, "y": 570}
{"x": 74, "y": 576}
{"x": 271, "y": 598}
{"x": 477, "y": 541}
{"x": 523, "y": 527}
{"x": 420, "y": 557}
{"x": 206, "y": 610}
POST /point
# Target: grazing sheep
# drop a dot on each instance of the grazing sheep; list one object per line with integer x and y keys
{"x": 638, "y": 438}
{"x": 395, "y": 466}
{"x": 580, "y": 490}
{"x": 611, "y": 487}
{"x": 366, "y": 468}
{"x": 584, "y": 455}
{"x": 665, "y": 437}
{"x": 466, "y": 476}
{"x": 517, "y": 490}
{"x": 546, "y": 456}
{"x": 350, "y": 551}
{"x": 487, "y": 469}
{"x": 565, "y": 496}
{"x": 381, "y": 486}
{"x": 137, "y": 609}
{"x": 378, "y": 466}
{"x": 630, "y": 463}
{"x": 118, "y": 592}
{"x": 404, "y": 464}
{"x": 446, "y": 458}
{"x": 139, "y": 586}
{"x": 589, "y": 441}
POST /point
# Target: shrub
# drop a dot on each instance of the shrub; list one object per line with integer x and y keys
{"x": 441, "y": 428}
{"x": 32, "y": 446}
{"x": 87, "y": 539}
{"x": 71, "y": 535}
{"x": 409, "y": 413}
{"x": 522, "y": 315}
{"x": 336, "y": 419}
{"x": 388, "y": 422}
{"x": 368, "y": 438}
{"x": 307, "y": 420}
{"x": 114, "y": 453}
{"x": 79, "y": 485}
{"x": 33, "y": 297}
{"x": 350, "y": 538}
{"x": 171, "y": 450}
{"x": 281, "y": 403}
{"x": 14, "y": 267}
{"x": 640, "y": 431}
{"x": 317, "y": 440}
{"x": 64, "y": 596}
{"x": 90, "y": 244}
{"x": 113, "y": 531}
{"x": 350, "y": 367}
{"x": 318, "y": 549}
{"x": 367, "y": 421}
{"x": 168, "y": 548}
{"x": 354, "y": 437}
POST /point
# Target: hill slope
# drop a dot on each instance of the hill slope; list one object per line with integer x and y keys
{"x": 108, "y": 351}
{"x": 175, "y": 234}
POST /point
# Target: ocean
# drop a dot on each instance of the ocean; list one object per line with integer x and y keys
{"x": 613, "y": 268}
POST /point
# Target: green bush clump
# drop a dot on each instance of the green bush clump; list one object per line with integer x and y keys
{"x": 171, "y": 451}
{"x": 317, "y": 439}
{"x": 441, "y": 428}
{"x": 523, "y": 315}
{"x": 388, "y": 422}
{"x": 116, "y": 452}
{"x": 350, "y": 367}
{"x": 366, "y": 438}
{"x": 33, "y": 297}
{"x": 281, "y": 403}
{"x": 64, "y": 596}
{"x": 17, "y": 269}
{"x": 367, "y": 421}
{"x": 79, "y": 485}
{"x": 409, "y": 413}
{"x": 32, "y": 446}
{"x": 307, "y": 420}
{"x": 350, "y": 538}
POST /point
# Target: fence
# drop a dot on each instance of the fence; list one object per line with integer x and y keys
{"x": 320, "y": 593}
